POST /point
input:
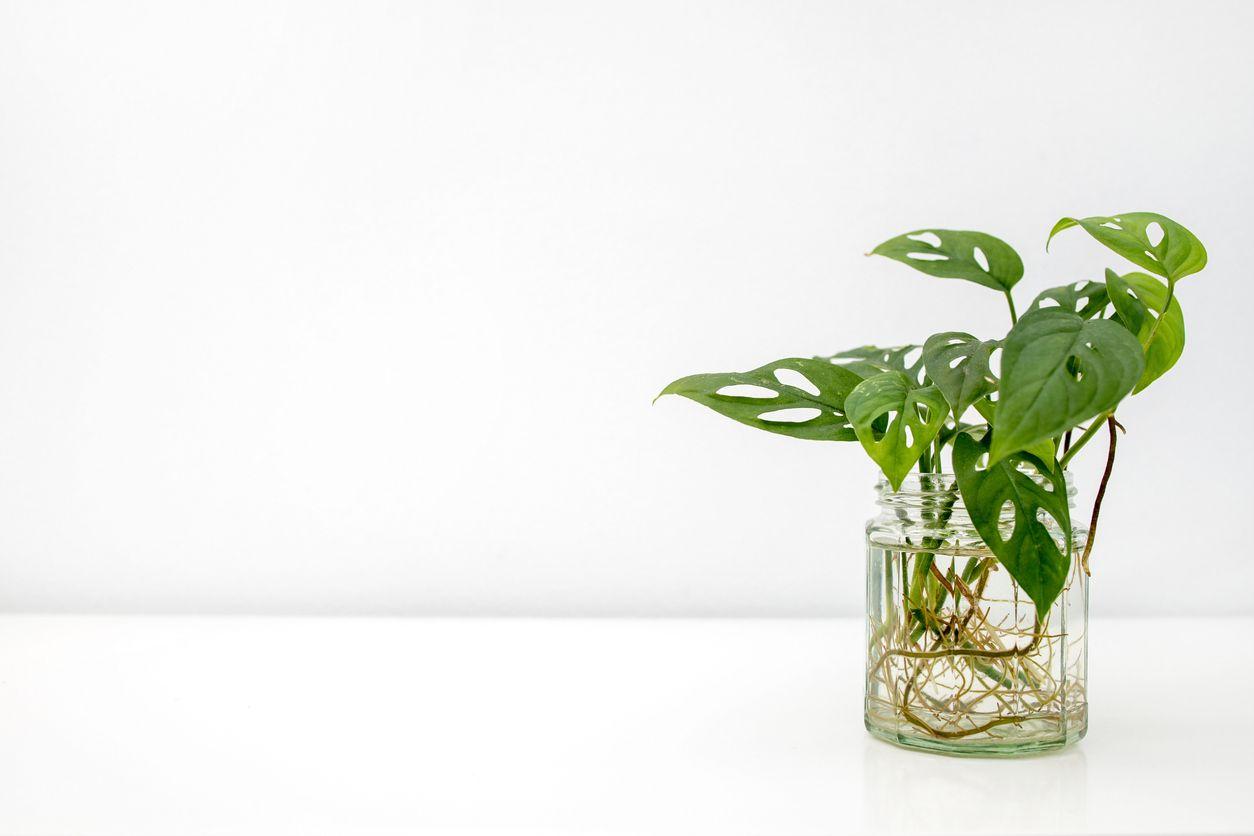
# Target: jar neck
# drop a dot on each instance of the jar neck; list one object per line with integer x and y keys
{"x": 931, "y": 500}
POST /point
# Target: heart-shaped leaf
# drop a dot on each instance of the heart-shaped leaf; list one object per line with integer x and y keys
{"x": 870, "y": 360}
{"x": 957, "y": 254}
{"x": 958, "y": 364}
{"x": 823, "y": 400}
{"x": 915, "y": 415}
{"x": 1058, "y": 370}
{"x": 1176, "y": 254}
{"x": 1088, "y": 300}
{"x": 1029, "y": 552}
{"x": 1139, "y": 299}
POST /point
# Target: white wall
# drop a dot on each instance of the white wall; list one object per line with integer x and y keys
{"x": 359, "y": 307}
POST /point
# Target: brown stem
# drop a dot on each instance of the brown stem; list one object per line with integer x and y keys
{"x": 1111, "y": 424}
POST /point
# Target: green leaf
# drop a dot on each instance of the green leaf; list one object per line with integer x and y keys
{"x": 833, "y": 384}
{"x": 1176, "y": 255}
{"x": 957, "y": 254}
{"x": 1043, "y": 449}
{"x": 1139, "y": 300}
{"x": 870, "y": 360}
{"x": 915, "y": 415}
{"x": 1057, "y": 371}
{"x": 1087, "y": 300}
{"x": 1030, "y": 552}
{"x": 958, "y": 364}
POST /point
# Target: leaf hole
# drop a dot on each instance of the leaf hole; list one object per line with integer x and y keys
{"x": 927, "y": 256}
{"x": 1151, "y": 255}
{"x": 1073, "y": 367}
{"x": 994, "y": 362}
{"x": 798, "y": 415}
{"x": 794, "y": 378}
{"x": 909, "y": 436}
{"x": 980, "y": 258}
{"x": 1154, "y": 232}
{"x": 929, "y": 238}
{"x": 747, "y": 390}
{"x": 954, "y": 363}
{"x": 912, "y": 356}
{"x": 923, "y": 411}
{"x": 1112, "y": 225}
{"x": 1050, "y": 302}
{"x": 981, "y": 464}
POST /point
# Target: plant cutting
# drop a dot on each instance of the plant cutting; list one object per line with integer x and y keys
{"x": 977, "y": 573}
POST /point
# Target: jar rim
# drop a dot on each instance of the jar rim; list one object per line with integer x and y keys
{"x": 933, "y": 484}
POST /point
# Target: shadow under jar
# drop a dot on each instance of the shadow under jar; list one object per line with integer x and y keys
{"x": 957, "y": 660}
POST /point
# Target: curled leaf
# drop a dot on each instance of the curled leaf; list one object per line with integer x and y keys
{"x": 1149, "y": 240}
{"x": 1139, "y": 300}
{"x": 914, "y": 415}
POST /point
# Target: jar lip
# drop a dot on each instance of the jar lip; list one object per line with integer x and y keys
{"x": 930, "y": 484}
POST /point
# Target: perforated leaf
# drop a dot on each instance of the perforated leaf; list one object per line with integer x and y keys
{"x": 870, "y": 360}
{"x": 826, "y": 409}
{"x": 1057, "y": 371}
{"x": 1139, "y": 300}
{"x": 1085, "y": 299}
{"x": 958, "y": 364}
{"x": 915, "y": 415}
{"x": 1028, "y": 551}
{"x": 957, "y": 254}
{"x": 1177, "y": 254}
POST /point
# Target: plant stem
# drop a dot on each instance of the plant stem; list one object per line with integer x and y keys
{"x": 1101, "y": 493}
{"x": 1084, "y": 439}
{"x": 1014, "y": 317}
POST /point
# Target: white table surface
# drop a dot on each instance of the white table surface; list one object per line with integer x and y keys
{"x": 227, "y": 725}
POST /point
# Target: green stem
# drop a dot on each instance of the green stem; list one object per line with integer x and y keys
{"x": 1084, "y": 439}
{"x": 1014, "y": 317}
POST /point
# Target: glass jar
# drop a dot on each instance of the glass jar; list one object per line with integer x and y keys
{"x": 957, "y": 660}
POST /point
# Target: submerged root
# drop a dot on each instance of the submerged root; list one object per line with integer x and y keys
{"x": 975, "y": 667}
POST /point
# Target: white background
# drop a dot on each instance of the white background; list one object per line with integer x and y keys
{"x": 359, "y": 307}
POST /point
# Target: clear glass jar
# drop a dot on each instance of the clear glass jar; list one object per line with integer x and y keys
{"x": 957, "y": 661}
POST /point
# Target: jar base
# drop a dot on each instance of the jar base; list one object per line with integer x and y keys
{"x": 977, "y": 748}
